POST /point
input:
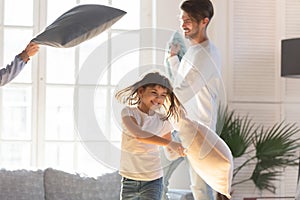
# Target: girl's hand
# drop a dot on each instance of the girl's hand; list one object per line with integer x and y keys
{"x": 176, "y": 147}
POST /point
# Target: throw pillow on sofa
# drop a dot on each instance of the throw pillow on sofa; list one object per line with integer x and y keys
{"x": 60, "y": 185}
{"x": 21, "y": 185}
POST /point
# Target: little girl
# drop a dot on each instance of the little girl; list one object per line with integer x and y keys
{"x": 145, "y": 128}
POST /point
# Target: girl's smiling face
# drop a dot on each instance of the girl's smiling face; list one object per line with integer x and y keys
{"x": 151, "y": 97}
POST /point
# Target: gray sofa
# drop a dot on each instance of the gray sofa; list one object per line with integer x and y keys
{"x": 51, "y": 184}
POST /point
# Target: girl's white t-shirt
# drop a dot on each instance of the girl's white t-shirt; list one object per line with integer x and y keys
{"x": 141, "y": 161}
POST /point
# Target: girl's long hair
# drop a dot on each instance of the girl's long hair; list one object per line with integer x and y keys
{"x": 172, "y": 106}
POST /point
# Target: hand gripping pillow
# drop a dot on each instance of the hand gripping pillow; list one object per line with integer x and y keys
{"x": 208, "y": 155}
{"x": 78, "y": 25}
{"x": 176, "y": 39}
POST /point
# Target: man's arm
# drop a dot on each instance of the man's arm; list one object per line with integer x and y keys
{"x": 15, "y": 67}
{"x": 202, "y": 70}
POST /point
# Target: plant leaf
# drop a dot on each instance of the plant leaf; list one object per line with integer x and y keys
{"x": 275, "y": 147}
{"x": 237, "y": 132}
{"x": 263, "y": 179}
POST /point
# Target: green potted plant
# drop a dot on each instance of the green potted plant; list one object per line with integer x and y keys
{"x": 268, "y": 150}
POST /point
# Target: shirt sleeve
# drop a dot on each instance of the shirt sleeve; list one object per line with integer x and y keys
{"x": 174, "y": 65}
{"x": 126, "y": 112}
{"x": 202, "y": 70}
{"x": 131, "y": 125}
{"x": 168, "y": 127}
{"x": 11, "y": 71}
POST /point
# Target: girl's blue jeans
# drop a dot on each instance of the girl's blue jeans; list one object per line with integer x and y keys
{"x": 141, "y": 190}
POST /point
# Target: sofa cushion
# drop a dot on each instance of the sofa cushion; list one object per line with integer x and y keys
{"x": 81, "y": 23}
{"x": 21, "y": 185}
{"x": 60, "y": 185}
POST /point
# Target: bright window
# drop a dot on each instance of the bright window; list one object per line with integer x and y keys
{"x": 37, "y": 124}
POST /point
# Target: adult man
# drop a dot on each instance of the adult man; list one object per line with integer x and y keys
{"x": 197, "y": 77}
{"x": 12, "y": 70}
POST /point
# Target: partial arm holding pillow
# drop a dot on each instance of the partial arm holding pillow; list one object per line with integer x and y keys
{"x": 170, "y": 154}
{"x": 79, "y": 24}
{"x": 149, "y": 138}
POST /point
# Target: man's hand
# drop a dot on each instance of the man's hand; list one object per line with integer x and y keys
{"x": 174, "y": 49}
{"x": 30, "y": 50}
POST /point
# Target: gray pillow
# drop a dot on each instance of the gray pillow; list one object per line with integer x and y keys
{"x": 21, "y": 185}
{"x": 78, "y": 25}
{"x": 60, "y": 185}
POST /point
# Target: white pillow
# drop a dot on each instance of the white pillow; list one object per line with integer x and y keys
{"x": 208, "y": 154}
{"x": 78, "y": 25}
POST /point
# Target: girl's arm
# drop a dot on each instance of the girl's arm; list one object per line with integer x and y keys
{"x": 146, "y": 137}
{"x": 170, "y": 154}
